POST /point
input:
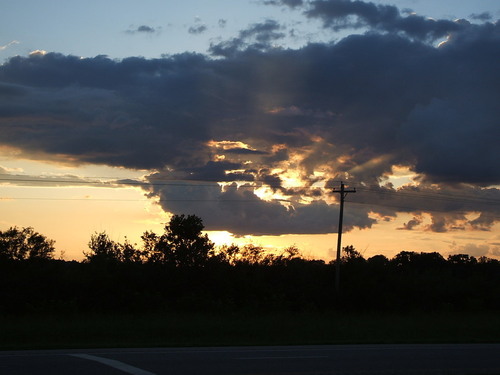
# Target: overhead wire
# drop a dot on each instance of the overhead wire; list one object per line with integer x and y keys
{"x": 429, "y": 195}
{"x": 126, "y": 181}
{"x": 408, "y": 209}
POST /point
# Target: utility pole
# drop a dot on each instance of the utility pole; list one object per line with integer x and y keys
{"x": 343, "y": 192}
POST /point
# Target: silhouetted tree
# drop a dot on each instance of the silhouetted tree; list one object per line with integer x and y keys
{"x": 129, "y": 253}
{"x": 152, "y": 248}
{"x": 420, "y": 261}
{"x": 288, "y": 254}
{"x": 227, "y": 254}
{"x": 183, "y": 243}
{"x": 461, "y": 259}
{"x": 351, "y": 255}
{"x": 102, "y": 248}
{"x": 403, "y": 258}
{"x": 378, "y": 261}
{"x": 486, "y": 260}
{"x": 25, "y": 243}
{"x": 119, "y": 277}
{"x": 252, "y": 254}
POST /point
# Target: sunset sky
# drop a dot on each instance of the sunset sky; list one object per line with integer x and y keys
{"x": 116, "y": 114}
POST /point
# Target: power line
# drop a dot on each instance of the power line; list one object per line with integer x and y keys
{"x": 407, "y": 209}
{"x": 420, "y": 195}
{"x": 128, "y": 181}
{"x": 139, "y": 200}
{"x": 397, "y": 208}
{"x": 191, "y": 183}
{"x": 430, "y": 195}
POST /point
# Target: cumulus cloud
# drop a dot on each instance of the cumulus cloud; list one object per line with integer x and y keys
{"x": 291, "y": 123}
{"x": 447, "y": 206}
{"x": 476, "y": 250}
{"x": 240, "y": 211}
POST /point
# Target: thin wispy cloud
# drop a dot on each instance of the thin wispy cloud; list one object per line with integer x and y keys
{"x": 4, "y": 47}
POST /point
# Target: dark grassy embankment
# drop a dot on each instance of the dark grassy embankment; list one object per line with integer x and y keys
{"x": 199, "y": 329}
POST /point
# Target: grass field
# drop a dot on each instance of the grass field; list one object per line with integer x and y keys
{"x": 199, "y": 329}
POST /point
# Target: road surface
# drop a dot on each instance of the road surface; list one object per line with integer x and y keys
{"x": 476, "y": 359}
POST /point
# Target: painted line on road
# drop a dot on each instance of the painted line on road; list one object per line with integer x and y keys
{"x": 113, "y": 363}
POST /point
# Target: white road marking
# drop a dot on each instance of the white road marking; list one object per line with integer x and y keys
{"x": 115, "y": 364}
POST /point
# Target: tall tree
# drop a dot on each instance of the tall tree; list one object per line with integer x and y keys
{"x": 182, "y": 244}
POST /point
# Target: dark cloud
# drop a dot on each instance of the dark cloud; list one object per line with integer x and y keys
{"x": 354, "y": 14}
{"x": 264, "y": 32}
{"x": 284, "y": 120}
{"x": 197, "y": 29}
{"x": 245, "y": 151}
{"x": 484, "y": 221}
{"x": 259, "y": 36}
{"x": 10, "y": 91}
{"x": 143, "y": 29}
{"x": 485, "y": 16}
{"x": 460, "y": 145}
{"x": 290, "y": 3}
{"x": 221, "y": 171}
{"x": 106, "y": 112}
{"x": 411, "y": 224}
{"x": 240, "y": 211}
{"x": 448, "y": 206}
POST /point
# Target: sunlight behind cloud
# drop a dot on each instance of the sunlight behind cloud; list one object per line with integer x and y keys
{"x": 401, "y": 176}
{"x": 38, "y": 52}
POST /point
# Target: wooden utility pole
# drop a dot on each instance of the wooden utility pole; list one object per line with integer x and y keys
{"x": 343, "y": 192}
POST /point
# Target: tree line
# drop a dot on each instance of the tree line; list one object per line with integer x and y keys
{"x": 181, "y": 269}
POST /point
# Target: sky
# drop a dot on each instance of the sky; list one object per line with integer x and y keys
{"x": 114, "y": 115}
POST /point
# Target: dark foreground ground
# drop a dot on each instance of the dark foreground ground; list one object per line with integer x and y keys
{"x": 244, "y": 328}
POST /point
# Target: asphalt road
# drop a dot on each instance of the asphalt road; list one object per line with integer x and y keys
{"x": 297, "y": 360}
